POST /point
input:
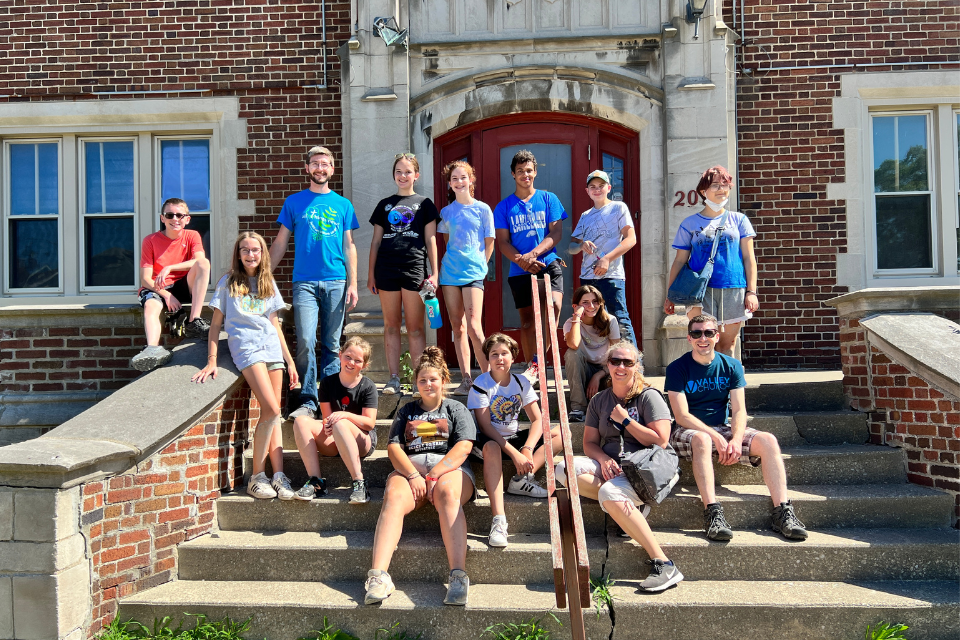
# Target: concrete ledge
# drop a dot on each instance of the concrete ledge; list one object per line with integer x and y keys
{"x": 45, "y": 409}
{"x": 107, "y": 439}
{"x": 922, "y": 342}
{"x": 77, "y": 315}
{"x": 867, "y": 301}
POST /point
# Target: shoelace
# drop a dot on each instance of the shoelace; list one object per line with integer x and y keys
{"x": 499, "y": 527}
{"x": 460, "y": 580}
{"x": 357, "y": 485}
{"x": 791, "y": 520}
{"x": 655, "y": 567}
{"x": 718, "y": 521}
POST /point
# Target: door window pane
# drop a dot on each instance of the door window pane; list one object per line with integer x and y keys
{"x": 109, "y": 177}
{"x": 109, "y": 252}
{"x": 34, "y": 179}
{"x": 33, "y": 254}
{"x": 185, "y": 172}
{"x": 903, "y": 232}
{"x": 900, "y": 153}
{"x": 614, "y": 168}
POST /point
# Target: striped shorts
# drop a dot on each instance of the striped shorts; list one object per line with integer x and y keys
{"x": 681, "y": 439}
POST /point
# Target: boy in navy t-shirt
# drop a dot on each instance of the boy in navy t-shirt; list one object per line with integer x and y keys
{"x": 528, "y": 224}
{"x": 701, "y": 383}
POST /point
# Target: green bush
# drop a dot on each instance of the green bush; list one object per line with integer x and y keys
{"x": 884, "y": 631}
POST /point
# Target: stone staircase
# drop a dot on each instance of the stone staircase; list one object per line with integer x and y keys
{"x": 879, "y": 548}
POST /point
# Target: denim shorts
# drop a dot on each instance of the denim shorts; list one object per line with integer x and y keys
{"x": 423, "y": 462}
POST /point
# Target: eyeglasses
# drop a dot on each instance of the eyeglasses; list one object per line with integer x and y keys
{"x": 716, "y": 186}
{"x": 320, "y": 165}
{"x": 622, "y": 362}
{"x": 170, "y": 216}
{"x": 697, "y": 333}
{"x": 251, "y": 252}
{"x": 409, "y": 156}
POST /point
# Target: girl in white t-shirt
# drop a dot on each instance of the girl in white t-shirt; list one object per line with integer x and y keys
{"x": 589, "y": 332}
{"x": 496, "y": 399}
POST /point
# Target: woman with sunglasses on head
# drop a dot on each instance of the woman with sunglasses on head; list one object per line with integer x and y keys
{"x": 404, "y": 239}
{"x": 732, "y": 290}
{"x": 589, "y": 332}
{"x": 468, "y": 234}
{"x": 627, "y": 417}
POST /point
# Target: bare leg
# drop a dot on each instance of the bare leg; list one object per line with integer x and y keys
{"x": 449, "y": 495}
{"x": 258, "y": 378}
{"x": 728, "y": 338}
{"x": 766, "y": 447}
{"x": 351, "y": 440}
{"x": 275, "y": 447}
{"x": 199, "y": 279}
{"x": 493, "y": 476}
{"x": 528, "y": 337}
{"x": 151, "y": 321}
{"x": 473, "y": 308}
{"x": 702, "y": 447}
{"x": 538, "y": 457}
{"x": 397, "y": 503}
{"x": 392, "y": 310}
{"x": 458, "y": 325}
{"x": 414, "y": 313}
{"x": 632, "y": 521}
{"x": 306, "y": 430}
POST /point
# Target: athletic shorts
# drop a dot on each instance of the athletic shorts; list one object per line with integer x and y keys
{"x": 523, "y": 292}
{"x": 395, "y": 280}
{"x": 724, "y": 304}
{"x": 518, "y": 440}
{"x": 180, "y": 290}
{"x": 681, "y": 439}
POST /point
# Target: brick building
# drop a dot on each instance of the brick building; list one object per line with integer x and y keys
{"x": 108, "y": 109}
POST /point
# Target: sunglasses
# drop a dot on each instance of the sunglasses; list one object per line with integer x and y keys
{"x": 622, "y": 362}
{"x": 696, "y": 333}
{"x": 409, "y": 156}
{"x": 171, "y": 216}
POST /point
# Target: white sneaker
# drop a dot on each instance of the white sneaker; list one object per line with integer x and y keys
{"x": 379, "y": 586}
{"x": 526, "y": 486}
{"x": 498, "y": 532}
{"x": 259, "y": 487}
{"x": 464, "y": 388}
{"x": 281, "y": 483}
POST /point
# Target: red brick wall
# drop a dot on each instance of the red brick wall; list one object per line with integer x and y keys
{"x": 790, "y": 151}
{"x": 133, "y": 522}
{"x": 905, "y": 411}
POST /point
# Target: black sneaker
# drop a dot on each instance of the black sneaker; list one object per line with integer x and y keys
{"x": 787, "y": 524}
{"x": 313, "y": 488}
{"x": 715, "y": 524}
{"x": 360, "y": 495}
{"x": 662, "y": 575}
{"x": 197, "y": 328}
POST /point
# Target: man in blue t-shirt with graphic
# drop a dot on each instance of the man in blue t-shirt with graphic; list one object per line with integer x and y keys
{"x": 700, "y": 384}
{"x": 324, "y": 272}
{"x": 528, "y": 225}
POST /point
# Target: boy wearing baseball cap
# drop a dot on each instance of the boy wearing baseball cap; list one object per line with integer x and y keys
{"x": 605, "y": 232}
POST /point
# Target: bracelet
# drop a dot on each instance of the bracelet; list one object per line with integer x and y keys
{"x": 431, "y": 479}
{"x": 415, "y": 474}
{"x": 211, "y": 357}
{"x": 526, "y": 446}
{"x": 748, "y": 291}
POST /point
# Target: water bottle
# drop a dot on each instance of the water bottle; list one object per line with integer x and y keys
{"x": 429, "y": 295}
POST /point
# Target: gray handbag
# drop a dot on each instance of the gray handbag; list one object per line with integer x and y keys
{"x": 652, "y": 472}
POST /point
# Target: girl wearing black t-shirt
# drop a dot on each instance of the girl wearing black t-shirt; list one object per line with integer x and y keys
{"x": 404, "y": 238}
{"x": 429, "y": 444}
{"x": 348, "y": 423}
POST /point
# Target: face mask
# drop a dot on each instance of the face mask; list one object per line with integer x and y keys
{"x": 717, "y": 207}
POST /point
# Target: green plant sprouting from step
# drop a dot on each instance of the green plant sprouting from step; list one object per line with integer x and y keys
{"x": 532, "y": 629}
{"x": 602, "y": 598}
{"x": 329, "y": 633}
{"x": 394, "y": 633}
{"x": 406, "y": 371}
{"x": 204, "y": 629}
{"x": 884, "y": 631}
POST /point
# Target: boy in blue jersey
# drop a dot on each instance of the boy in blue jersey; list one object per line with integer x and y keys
{"x": 528, "y": 225}
{"x": 700, "y": 384}
{"x": 324, "y": 272}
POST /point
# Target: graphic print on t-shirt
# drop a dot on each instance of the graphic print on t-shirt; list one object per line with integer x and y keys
{"x": 426, "y": 435}
{"x": 634, "y": 413}
{"x": 322, "y": 221}
{"x": 250, "y": 304}
{"x": 505, "y": 409}
{"x": 717, "y": 383}
{"x": 400, "y": 218}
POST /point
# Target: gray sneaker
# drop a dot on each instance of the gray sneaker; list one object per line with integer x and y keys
{"x": 150, "y": 358}
{"x": 303, "y": 411}
{"x": 715, "y": 524}
{"x": 379, "y": 586}
{"x": 281, "y": 484}
{"x": 662, "y": 575}
{"x": 786, "y": 523}
{"x": 458, "y": 589}
{"x": 360, "y": 495}
{"x": 392, "y": 387}
{"x": 312, "y": 488}
{"x": 498, "y": 532}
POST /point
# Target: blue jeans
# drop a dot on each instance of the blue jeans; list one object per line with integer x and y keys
{"x": 615, "y": 299}
{"x": 317, "y": 301}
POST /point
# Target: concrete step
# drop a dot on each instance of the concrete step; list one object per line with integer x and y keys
{"x": 745, "y": 506}
{"x": 736, "y": 610}
{"x": 340, "y": 556}
{"x": 842, "y": 464}
{"x": 827, "y": 555}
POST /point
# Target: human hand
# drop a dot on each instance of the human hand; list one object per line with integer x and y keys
{"x": 720, "y": 445}
{"x": 619, "y": 414}
{"x": 589, "y": 247}
{"x": 430, "y": 486}
{"x": 751, "y": 302}
{"x": 610, "y": 469}
{"x": 536, "y": 266}
{"x": 333, "y": 419}
{"x": 733, "y": 450}
{"x": 523, "y": 464}
{"x": 292, "y": 374}
{"x": 372, "y": 284}
{"x": 419, "y": 488}
{"x": 161, "y": 277}
{"x": 173, "y": 304}
{"x": 601, "y": 266}
{"x": 668, "y": 307}
{"x": 209, "y": 371}
{"x": 351, "y": 299}
{"x": 435, "y": 281}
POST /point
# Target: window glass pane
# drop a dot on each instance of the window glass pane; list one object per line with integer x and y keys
{"x": 201, "y": 224}
{"x": 109, "y": 252}
{"x": 34, "y": 179}
{"x": 33, "y": 254}
{"x": 614, "y": 168}
{"x": 900, "y": 153}
{"x": 108, "y": 171}
{"x": 903, "y": 232}
{"x": 185, "y": 172}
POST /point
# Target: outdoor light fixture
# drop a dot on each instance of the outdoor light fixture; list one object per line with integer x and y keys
{"x": 389, "y": 31}
{"x": 694, "y": 13}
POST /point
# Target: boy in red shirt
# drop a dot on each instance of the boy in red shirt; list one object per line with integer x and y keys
{"x": 173, "y": 269}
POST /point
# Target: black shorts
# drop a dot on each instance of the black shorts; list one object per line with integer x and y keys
{"x": 518, "y": 440}
{"x": 179, "y": 290}
{"x": 523, "y": 292}
{"x": 395, "y": 280}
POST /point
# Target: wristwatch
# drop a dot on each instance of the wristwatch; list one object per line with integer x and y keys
{"x": 625, "y": 423}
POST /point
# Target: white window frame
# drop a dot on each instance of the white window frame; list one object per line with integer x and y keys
{"x": 7, "y": 217}
{"x": 935, "y": 235}
{"x": 82, "y": 214}
{"x": 157, "y": 177}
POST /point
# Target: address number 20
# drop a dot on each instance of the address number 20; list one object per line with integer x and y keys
{"x": 690, "y": 198}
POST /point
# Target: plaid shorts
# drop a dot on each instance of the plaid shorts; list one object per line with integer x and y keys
{"x": 681, "y": 439}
